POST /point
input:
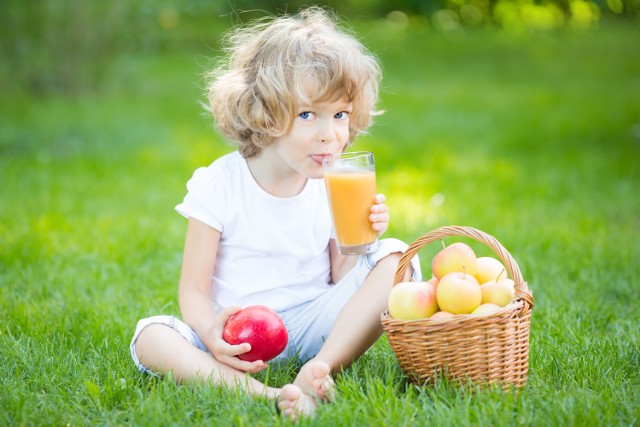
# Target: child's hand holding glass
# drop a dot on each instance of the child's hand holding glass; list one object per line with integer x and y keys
{"x": 379, "y": 215}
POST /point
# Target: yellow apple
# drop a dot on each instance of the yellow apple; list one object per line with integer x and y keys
{"x": 458, "y": 293}
{"x": 441, "y": 315}
{"x": 413, "y": 300}
{"x": 489, "y": 268}
{"x": 486, "y": 308}
{"x": 499, "y": 292}
{"x": 458, "y": 257}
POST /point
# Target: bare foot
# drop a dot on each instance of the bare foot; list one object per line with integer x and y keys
{"x": 312, "y": 386}
{"x": 314, "y": 379}
{"x": 292, "y": 402}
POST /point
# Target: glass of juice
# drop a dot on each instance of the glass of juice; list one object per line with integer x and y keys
{"x": 351, "y": 186}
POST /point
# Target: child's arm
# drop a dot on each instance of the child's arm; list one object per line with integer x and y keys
{"x": 196, "y": 305}
{"x": 341, "y": 264}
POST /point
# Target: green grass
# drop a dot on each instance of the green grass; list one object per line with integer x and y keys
{"x": 534, "y": 140}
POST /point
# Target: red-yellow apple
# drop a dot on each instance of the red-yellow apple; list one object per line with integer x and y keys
{"x": 458, "y": 293}
{"x": 412, "y": 300}
{"x": 486, "y": 308}
{"x": 434, "y": 281}
{"x": 441, "y": 315}
{"x": 499, "y": 292}
{"x": 489, "y": 268}
{"x": 456, "y": 257}
{"x": 261, "y": 327}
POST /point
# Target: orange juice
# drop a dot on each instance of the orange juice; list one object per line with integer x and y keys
{"x": 351, "y": 195}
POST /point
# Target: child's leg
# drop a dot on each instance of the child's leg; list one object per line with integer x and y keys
{"x": 163, "y": 350}
{"x": 358, "y": 325}
{"x": 163, "y": 345}
{"x": 356, "y": 329}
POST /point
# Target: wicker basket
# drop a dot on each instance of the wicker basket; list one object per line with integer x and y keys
{"x": 481, "y": 349}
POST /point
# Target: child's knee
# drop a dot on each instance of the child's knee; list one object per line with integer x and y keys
{"x": 150, "y": 334}
{"x": 390, "y": 261}
{"x": 389, "y": 254}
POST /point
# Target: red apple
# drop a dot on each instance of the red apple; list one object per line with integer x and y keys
{"x": 259, "y": 326}
{"x": 456, "y": 257}
{"x": 459, "y": 293}
{"x": 413, "y": 300}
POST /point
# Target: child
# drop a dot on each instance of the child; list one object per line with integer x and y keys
{"x": 293, "y": 90}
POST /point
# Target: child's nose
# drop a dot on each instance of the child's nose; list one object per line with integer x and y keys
{"x": 327, "y": 133}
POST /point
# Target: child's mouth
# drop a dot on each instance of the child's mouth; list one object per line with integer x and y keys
{"x": 319, "y": 157}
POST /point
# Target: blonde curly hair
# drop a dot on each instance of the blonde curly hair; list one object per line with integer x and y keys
{"x": 274, "y": 64}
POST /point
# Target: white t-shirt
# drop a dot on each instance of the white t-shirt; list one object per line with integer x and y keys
{"x": 273, "y": 251}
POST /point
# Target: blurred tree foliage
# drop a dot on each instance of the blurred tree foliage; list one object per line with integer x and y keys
{"x": 66, "y": 46}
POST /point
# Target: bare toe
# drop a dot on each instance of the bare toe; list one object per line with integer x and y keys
{"x": 320, "y": 369}
{"x": 315, "y": 380}
{"x": 324, "y": 387}
{"x": 292, "y": 402}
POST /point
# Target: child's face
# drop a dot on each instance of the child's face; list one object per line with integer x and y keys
{"x": 318, "y": 130}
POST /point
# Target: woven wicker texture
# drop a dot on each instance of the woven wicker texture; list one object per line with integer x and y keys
{"x": 482, "y": 349}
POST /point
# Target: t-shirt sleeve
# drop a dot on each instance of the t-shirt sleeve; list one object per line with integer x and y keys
{"x": 205, "y": 199}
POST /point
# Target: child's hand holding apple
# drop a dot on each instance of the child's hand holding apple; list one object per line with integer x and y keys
{"x": 229, "y": 353}
{"x": 260, "y": 327}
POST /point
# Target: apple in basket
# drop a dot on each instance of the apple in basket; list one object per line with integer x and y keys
{"x": 259, "y": 326}
{"x": 459, "y": 293}
{"x": 441, "y": 315}
{"x": 413, "y": 300}
{"x": 486, "y": 308}
{"x": 498, "y": 291}
{"x": 433, "y": 281}
{"x": 488, "y": 268}
{"x": 455, "y": 257}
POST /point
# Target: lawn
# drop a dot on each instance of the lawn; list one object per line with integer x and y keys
{"x": 533, "y": 139}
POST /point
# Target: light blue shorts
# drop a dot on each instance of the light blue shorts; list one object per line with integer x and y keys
{"x": 309, "y": 323}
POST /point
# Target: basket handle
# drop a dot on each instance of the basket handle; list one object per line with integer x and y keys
{"x": 522, "y": 290}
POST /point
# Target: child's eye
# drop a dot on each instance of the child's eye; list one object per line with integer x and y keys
{"x": 306, "y": 115}
{"x": 342, "y": 115}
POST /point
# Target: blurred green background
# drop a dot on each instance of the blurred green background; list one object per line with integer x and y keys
{"x": 520, "y": 118}
{"x": 68, "y": 46}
